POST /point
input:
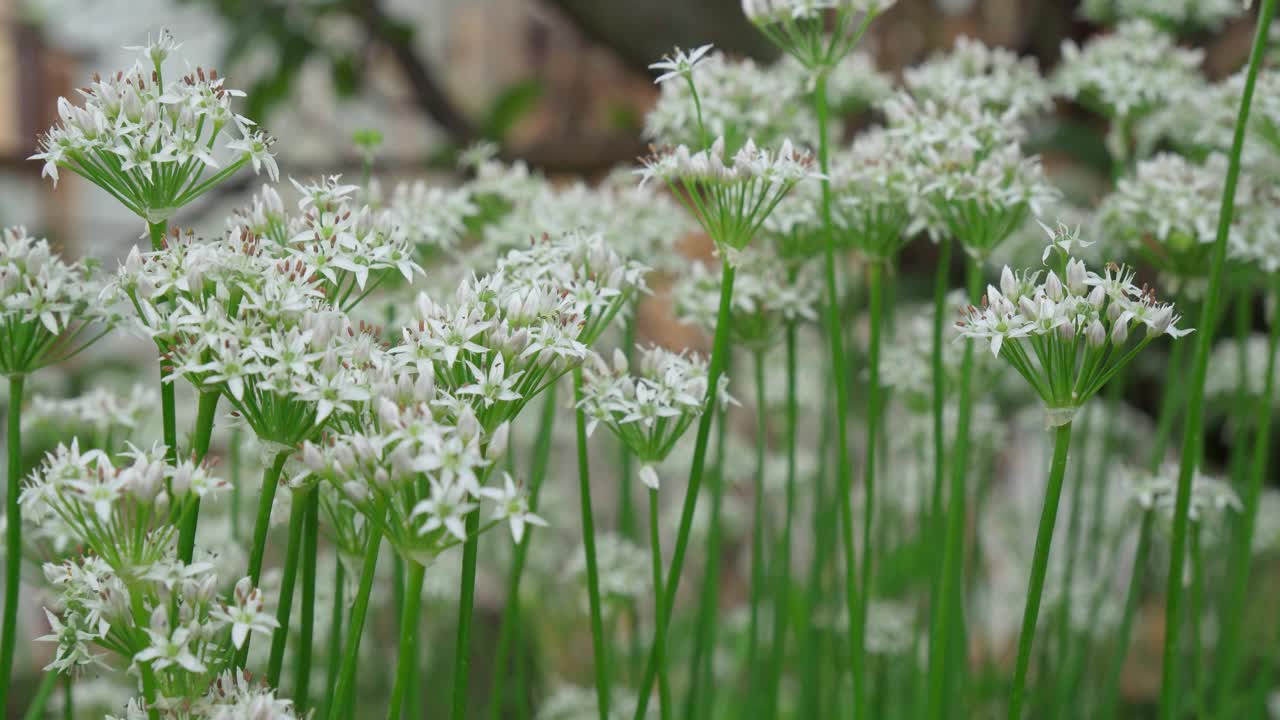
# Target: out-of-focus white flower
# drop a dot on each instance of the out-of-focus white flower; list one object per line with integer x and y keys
{"x": 998, "y": 78}
{"x": 679, "y": 64}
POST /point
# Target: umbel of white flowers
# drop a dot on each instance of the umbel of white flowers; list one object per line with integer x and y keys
{"x": 1067, "y": 336}
{"x": 154, "y": 144}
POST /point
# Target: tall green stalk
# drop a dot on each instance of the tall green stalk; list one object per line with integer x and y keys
{"x": 782, "y": 555}
{"x": 601, "y": 660}
{"x": 408, "y": 653}
{"x": 35, "y": 711}
{"x": 335, "y": 637}
{"x": 466, "y": 610}
{"x": 875, "y": 302}
{"x": 344, "y": 690}
{"x": 206, "y": 407}
{"x": 270, "y": 482}
{"x": 511, "y": 610}
{"x": 13, "y": 531}
{"x": 1039, "y": 567}
{"x": 757, "y": 539}
{"x": 1191, "y": 437}
{"x": 839, "y": 374}
{"x": 701, "y": 689}
{"x": 935, "y": 528}
{"x": 948, "y": 605}
{"x": 626, "y": 513}
{"x": 660, "y": 638}
{"x": 289, "y": 577}
{"x": 1239, "y": 565}
{"x": 168, "y": 406}
{"x": 310, "y": 549}
{"x": 715, "y": 368}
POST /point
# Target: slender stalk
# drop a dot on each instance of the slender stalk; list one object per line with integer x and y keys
{"x": 659, "y": 639}
{"x": 875, "y": 302}
{"x": 284, "y": 606}
{"x": 757, "y": 539}
{"x": 35, "y": 711}
{"x": 1194, "y": 608}
{"x": 715, "y": 367}
{"x": 1039, "y": 566}
{"x": 1239, "y": 565}
{"x": 948, "y": 608}
{"x": 270, "y": 482}
{"x": 466, "y": 609}
{"x": 839, "y": 374}
{"x": 626, "y": 513}
{"x": 1115, "y": 668}
{"x": 13, "y": 531}
{"x": 511, "y": 610}
{"x": 68, "y": 700}
{"x": 405, "y": 661}
{"x": 589, "y": 548}
{"x": 1191, "y": 438}
{"x": 310, "y": 549}
{"x": 168, "y": 406}
{"x": 701, "y": 690}
{"x": 335, "y": 633}
{"x": 782, "y": 555}
{"x": 935, "y": 529}
{"x": 344, "y": 690}
{"x": 206, "y": 408}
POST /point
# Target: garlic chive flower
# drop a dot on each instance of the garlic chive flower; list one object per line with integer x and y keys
{"x": 731, "y": 200}
{"x": 625, "y": 572}
{"x": 800, "y": 27}
{"x": 1068, "y": 335}
{"x": 1211, "y": 497}
{"x": 736, "y": 99}
{"x": 764, "y": 299}
{"x": 1000, "y": 79}
{"x": 648, "y": 407}
{"x": 875, "y": 185}
{"x": 1127, "y": 74}
{"x": 431, "y": 218}
{"x": 1173, "y": 14}
{"x": 49, "y": 309}
{"x": 679, "y": 64}
{"x": 107, "y": 414}
{"x": 1166, "y": 211}
{"x": 154, "y": 144}
{"x": 976, "y": 186}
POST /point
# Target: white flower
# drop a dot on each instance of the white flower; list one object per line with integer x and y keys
{"x": 247, "y": 615}
{"x": 679, "y": 63}
{"x": 169, "y": 650}
{"x": 445, "y": 508}
{"x": 512, "y": 504}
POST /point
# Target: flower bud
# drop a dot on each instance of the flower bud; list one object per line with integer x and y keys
{"x": 1120, "y": 333}
{"x": 1053, "y": 287}
{"x": 1096, "y": 334}
{"x": 1008, "y": 284}
{"x": 1076, "y": 277}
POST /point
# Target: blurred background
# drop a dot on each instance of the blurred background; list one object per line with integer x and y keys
{"x": 561, "y": 84}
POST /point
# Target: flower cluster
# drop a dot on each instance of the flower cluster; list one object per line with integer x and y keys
{"x": 799, "y": 27}
{"x": 99, "y": 409}
{"x": 49, "y": 309}
{"x": 977, "y": 186}
{"x": 1209, "y": 14}
{"x": 1000, "y": 79}
{"x": 875, "y": 185}
{"x": 732, "y": 199}
{"x": 1067, "y": 336}
{"x": 154, "y": 145}
{"x": 430, "y": 217}
{"x": 736, "y": 100}
{"x": 764, "y": 300}
{"x": 648, "y": 407}
{"x": 1130, "y": 72}
{"x": 1211, "y": 497}
{"x": 1167, "y": 212}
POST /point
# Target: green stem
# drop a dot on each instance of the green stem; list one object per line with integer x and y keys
{"x": 1039, "y": 566}
{"x": 875, "y": 301}
{"x": 754, "y": 676}
{"x": 1239, "y": 565}
{"x": 13, "y": 532}
{"x": 168, "y": 406}
{"x": 719, "y": 356}
{"x": 782, "y": 555}
{"x": 344, "y": 690}
{"x": 406, "y": 660}
{"x": 935, "y": 530}
{"x": 207, "y": 406}
{"x": 1191, "y": 439}
{"x": 511, "y": 611}
{"x": 1170, "y": 403}
{"x": 335, "y": 632}
{"x": 659, "y": 639}
{"x": 948, "y": 608}
{"x": 1194, "y": 615}
{"x": 626, "y": 513}
{"x": 1115, "y": 669}
{"x": 35, "y": 711}
{"x": 601, "y": 660}
{"x": 701, "y": 689}
{"x": 466, "y": 609}
{"x": 68, "y": 699}
{"x": 310, "y": 549}
{"x": 270, "y": 482}
{"x": 284, "y": 606}
{"x": 839, "y": 374}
